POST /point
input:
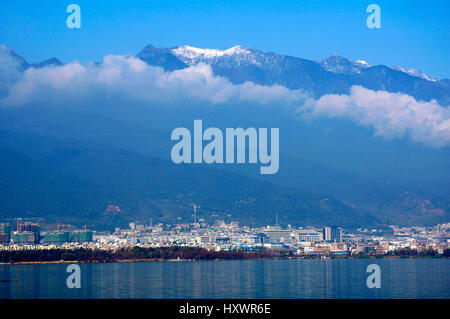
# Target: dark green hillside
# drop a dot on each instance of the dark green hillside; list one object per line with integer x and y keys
{"x": 66, "y": 181}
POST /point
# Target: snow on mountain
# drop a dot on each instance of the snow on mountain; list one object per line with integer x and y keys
{"x": 193, "y": 53}
{"x": 335, "y": 74}
{"x": 236, "y": 55}
{"x": 415, "y": 72}
{"x": 363, "y": 64}
{"x": 338, "y": 64}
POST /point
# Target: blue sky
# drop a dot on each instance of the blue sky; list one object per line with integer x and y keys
{"x": 413, "y": 34}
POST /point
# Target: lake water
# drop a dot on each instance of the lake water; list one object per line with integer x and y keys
{"x": 400, "y": 278}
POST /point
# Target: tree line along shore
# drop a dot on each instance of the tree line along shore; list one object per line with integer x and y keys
{"x": 60, "y": 255}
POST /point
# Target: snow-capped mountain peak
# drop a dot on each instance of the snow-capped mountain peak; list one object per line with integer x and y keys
{"x": 192, "y": 55}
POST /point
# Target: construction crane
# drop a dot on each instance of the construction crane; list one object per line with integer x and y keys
{"x": 19, "y": 222}
{"x": 195, "y": 212}
{"x": 86, "y": 226}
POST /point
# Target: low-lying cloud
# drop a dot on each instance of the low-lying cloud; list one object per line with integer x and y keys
{"x": 390, "y": 115}
{"x": 133, "y": 78}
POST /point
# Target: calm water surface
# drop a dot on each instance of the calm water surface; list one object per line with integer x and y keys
{"x": 400, "y": 278}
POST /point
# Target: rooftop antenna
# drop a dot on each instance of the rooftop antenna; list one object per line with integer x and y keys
{"x": 276, "y": 219}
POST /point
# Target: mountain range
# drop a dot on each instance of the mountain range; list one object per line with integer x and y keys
{"x": 68, "y": 163}
{"x": 334, "y": 74}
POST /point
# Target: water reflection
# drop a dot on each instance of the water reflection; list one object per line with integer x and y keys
{"x": 404, "y": 278}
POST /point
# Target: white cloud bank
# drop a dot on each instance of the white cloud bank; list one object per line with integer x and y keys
{"x": 133, "y": 78}
{"x": 389, "y": 114}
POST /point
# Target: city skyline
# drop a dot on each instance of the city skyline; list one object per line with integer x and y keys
{"x": 220, "y": 236}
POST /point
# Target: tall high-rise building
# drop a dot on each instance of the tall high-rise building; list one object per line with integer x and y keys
{"x": 336, "y": 234}
{"x": 5, "y": 233}
{"x": 332, "y": 234}
{"x": 61, "y": 237}
{"x": 29, "y": 227}
{"x": 26, "y": 237}
{"x": 326, "y": 233}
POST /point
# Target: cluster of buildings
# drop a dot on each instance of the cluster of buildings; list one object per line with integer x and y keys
{"x": 303, "y": 241}
{"x": 329, "y": 240}
{"x": 28, "y": 233}
{"x": 375, "y": 242}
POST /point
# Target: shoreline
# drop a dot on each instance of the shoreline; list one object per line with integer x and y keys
{"x": 193, "y": 260}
